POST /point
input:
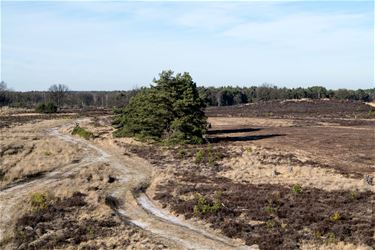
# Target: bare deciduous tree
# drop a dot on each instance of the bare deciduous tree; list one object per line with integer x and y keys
{"x": 4, "y": 99}
{"x": 3, "y": 86}
{"x": 58, "y": 92}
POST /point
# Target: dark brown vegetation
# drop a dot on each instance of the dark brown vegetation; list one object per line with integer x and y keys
{"x": 349, "y": 150}
{"x": 283, "y": 216}
{"x": 13, "y": 120}
{"x": 57, "y": 217}
{"x": 297, "y": 109}
{"x": 55, "y": 223}
{"x": 272, "y": 216}
{"x": 339, "y": 134}
{"x": 161, "y": 157}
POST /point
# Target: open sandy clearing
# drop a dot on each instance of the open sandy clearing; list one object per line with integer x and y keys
{"x": 107, "y": 171}
{"x": 138, "y": 211}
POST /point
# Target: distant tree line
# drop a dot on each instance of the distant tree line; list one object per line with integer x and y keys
{"x": 62, "y": 97}
{"x": 226, "y": 96}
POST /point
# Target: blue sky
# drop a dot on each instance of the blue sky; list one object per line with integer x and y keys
{"x": 105, "y": 45}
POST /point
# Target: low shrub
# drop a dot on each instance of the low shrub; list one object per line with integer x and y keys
{"x": 270, "y": 223}
{"x": 213, "y": 156}
{"x": 182, "y": 153}
{"x": 2, "y": 174}
{"x": 208, "y": 156}
{"x": 82, "y": 132}
{"x": 249, "y": 150}
{"x": 272, "y": 206}
{"x": 48, "y": 108}
{"x": 335, "y": 217}
{"x": 330, "y": 238}
{"x": 39, "y": 201}
{"x": 354, "y": 195}
{"x": 199, "y": 156}
{"x": 296, "y": 189}
{"x": 204, "y": 207}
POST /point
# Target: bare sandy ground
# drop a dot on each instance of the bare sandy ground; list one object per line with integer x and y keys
{"x": 69, "y": 166}
{"x": 10, "y": 111}
{"x": 323, "y": 155}
{"x": 26, "y": 152}
{"x": 44, "y": 157}
{"x": 188, "y": 235}
{"x": 223, "y": 122}
{"x": 98, "y": 169}
{"x": 259, "y": 165}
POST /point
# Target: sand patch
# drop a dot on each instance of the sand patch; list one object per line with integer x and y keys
{"x": 29, "y": 150}
{"x": 257, "y": 165}
{"x": 221, "y": 122}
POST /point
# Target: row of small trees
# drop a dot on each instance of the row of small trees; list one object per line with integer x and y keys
{"x": 56, "y": 94}
{"x": 213, "y": 96}
{"x": 63, "y": 97}
{"x": 226, "y": 96}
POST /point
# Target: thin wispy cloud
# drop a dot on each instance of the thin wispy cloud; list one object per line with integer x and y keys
{"x": 304, "y": 30}
{"x": 119, "y": 45}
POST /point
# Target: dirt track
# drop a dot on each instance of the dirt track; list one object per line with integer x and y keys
{"x": 250, "y": 161}
{"x": 132, "y": 207}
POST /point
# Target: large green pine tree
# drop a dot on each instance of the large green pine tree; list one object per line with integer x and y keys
{"x": 171, "y": 110}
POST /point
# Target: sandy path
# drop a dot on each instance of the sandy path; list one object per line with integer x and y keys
{"x": 136, "y": 209}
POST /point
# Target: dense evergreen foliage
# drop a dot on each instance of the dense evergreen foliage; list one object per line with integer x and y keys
{"x": 82, "y": 132}
{"x": 171, "y": 110}
{"x": 48, "y": 108}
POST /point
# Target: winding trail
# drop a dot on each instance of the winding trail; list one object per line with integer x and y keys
{"x": 133, "y": 207}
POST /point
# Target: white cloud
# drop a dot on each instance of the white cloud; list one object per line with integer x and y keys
{"x": 117, "y": 45}
{"x": 305, "y": 31}
{"x": 207, "y": 19}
